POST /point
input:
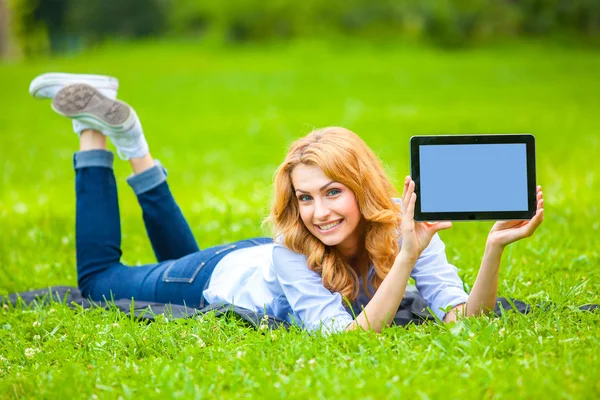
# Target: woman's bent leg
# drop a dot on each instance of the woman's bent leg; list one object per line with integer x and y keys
{"x": 97, "y": 226}
{"x": 101, "y": 276}
{"x": 167, "y": 228}
{"x": 98, "y": 238}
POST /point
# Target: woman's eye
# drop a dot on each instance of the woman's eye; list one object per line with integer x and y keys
{"x": 304, "y": 197}
{"x": 333, "y": 192}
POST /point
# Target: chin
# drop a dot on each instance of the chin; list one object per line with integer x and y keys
{"x": 330, "y": 241}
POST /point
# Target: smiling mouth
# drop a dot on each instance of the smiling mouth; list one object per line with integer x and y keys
{"x": 330, "y": 226}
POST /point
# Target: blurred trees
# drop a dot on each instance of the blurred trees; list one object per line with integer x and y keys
{"x": 54, "y": 25}
{"x": 28, "y": 33}
{"x": 5, "y": 38}
{"x": 446, "y": 22}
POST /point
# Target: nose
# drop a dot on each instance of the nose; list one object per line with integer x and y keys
{"x": 321, "y": 211}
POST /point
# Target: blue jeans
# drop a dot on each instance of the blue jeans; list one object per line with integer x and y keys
{"x": 183, "y": 270}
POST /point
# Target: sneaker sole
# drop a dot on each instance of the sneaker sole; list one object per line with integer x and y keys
{"x": 81, "y": 101}
{"x": 59, "y": 78}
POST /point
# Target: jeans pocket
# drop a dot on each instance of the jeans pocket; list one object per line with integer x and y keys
{"x": 185, "y": 269}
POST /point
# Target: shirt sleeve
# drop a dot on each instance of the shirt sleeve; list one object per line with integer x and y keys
{"x": 317, "y": 307}
{"x": 437, "y": 280}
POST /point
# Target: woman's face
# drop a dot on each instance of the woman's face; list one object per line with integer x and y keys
{"x": 327, "y": 208}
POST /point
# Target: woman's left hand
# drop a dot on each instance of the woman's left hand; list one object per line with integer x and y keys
{"x": 504, "y": 233}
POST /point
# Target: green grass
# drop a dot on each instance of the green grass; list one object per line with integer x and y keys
{"x": 220, "y": 121}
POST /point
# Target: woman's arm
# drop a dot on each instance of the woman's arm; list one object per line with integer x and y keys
{"x": 483, "y": 295}
{"x": 416, "y": 236}
{"x": 382, "y": 308}
{"x": 482, "y": 299}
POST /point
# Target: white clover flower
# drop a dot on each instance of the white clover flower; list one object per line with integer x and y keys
{"x": 37, "y": 337}
{"x": 115, "y": 325}
{"x": 201, "y": 343}
{"x": 501, "y": 331}
{"x": 5, "y": 306}
{"x": 471, "y": 334}
{"x": 312, "y": 361}
{"x": 36, "y": 324}
{"x": 29, "y": 352}
{"x": 264, "y": 327}
{"x": 240, "y": 354}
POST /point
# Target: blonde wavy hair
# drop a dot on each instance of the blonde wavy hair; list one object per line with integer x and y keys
{"x": 345, "y": 158}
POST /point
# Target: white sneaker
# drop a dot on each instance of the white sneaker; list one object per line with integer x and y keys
{"x": 114, "y": 118}
{"x": 46, "y": 86}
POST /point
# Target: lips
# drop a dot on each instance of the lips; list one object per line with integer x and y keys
{"x": 329, "y": 226}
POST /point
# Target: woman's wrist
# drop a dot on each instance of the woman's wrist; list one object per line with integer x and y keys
{"x": 494, "y": 246}
{"x": 406, "y": 261}
{"x": 492, "y": 256}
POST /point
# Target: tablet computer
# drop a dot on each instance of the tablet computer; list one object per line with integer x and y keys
{"x": 473, "y": 177}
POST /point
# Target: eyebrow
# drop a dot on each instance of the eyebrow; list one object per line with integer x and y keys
{"x": 320, "y": 189}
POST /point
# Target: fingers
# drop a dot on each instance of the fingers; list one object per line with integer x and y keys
{"x": 409, "y": 188}
{"x": 537, "y": 219}
{"x": 540, "y": 210}
{"x": 530, "y": 227}
{"x": 408, "y": 205}
{"x": 540, "y": 199}
{"x": 405, "y": 187}
{"x": 410, "y": 210}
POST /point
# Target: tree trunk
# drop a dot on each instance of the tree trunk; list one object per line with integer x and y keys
{"x": 5, "y": 33}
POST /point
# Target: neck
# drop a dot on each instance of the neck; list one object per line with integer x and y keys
{"x": 353, "y": 250}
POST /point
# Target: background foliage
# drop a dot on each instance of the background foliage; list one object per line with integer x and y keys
{"x": 57, "y": 25}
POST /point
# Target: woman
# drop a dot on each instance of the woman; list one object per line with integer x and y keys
{"x": 339, "y": 232}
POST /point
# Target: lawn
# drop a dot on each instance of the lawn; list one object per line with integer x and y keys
{"x": 220, "y": 121}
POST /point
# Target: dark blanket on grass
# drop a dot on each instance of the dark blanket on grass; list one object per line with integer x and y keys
{"x": 413, "y": 308}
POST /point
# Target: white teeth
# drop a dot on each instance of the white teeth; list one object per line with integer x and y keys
{"x": 329, "y": 226}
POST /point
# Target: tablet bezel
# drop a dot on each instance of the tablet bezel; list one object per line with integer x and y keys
{"x": 527, "y": 139}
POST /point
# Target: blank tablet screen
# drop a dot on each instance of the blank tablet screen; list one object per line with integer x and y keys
{"x": 473, "y": 177}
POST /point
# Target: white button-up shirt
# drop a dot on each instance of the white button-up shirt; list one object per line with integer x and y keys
{"x": 272, "y": 279}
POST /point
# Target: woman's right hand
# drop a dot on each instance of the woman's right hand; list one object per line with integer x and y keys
{"x": 415, "y": 235}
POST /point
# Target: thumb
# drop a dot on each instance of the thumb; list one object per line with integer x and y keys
{"x": 439, "y": 226}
